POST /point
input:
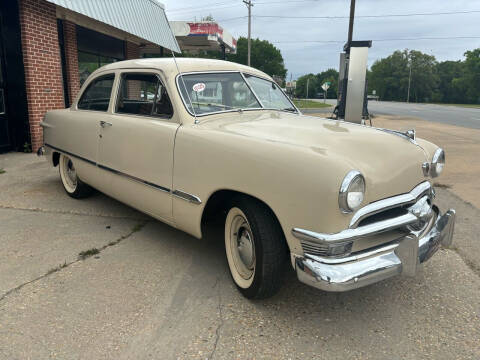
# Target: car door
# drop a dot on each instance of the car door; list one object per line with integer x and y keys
{"x": 137, "y": 142}
{"x": 75, "y": 131}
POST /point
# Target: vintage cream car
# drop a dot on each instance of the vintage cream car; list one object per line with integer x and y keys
{"x": 188, "y": 141}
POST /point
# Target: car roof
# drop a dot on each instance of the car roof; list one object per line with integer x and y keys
{"x": 184, "y": 65}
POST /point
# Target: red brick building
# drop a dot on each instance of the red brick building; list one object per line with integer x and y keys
{"x": 49, "y": 47}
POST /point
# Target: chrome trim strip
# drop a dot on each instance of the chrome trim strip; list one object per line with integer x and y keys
{"x": 389, "y": 203}
{"x": 187, "y": 197}
{"x": 134, "y": 178}
{"x": 251, "y": 89}
{"x": 103, "y": 167}
{"x": 399, "y": 133}
{"x": 352, "y": 234}
{"x": 71, "y": 154}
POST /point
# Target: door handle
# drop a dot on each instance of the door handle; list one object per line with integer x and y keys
{"x": 105, "y": 124}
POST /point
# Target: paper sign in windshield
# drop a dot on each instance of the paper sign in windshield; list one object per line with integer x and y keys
{"x": 198, "y": 87}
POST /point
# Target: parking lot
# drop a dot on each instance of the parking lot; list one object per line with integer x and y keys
{"x": 149, "y": 291}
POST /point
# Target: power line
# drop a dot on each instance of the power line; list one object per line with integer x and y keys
{"x": 236, "y": 4}
{"x": 229, "y": 19}
{"x": 367, "y": 16}
{"x": 397, "y": 39}
{"x": 200, "y": 7}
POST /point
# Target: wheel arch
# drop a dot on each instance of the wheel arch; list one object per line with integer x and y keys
{"x": 217, "y": 203}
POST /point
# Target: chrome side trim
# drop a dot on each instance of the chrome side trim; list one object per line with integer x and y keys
{"x": 71, "y": 154}
{"x": 134, "y": 178}
{"x": 389, "y": 203}
{"x": 352, "y": 234}
{"x": 187, "y": 197}
{"x": 106, "y": 168}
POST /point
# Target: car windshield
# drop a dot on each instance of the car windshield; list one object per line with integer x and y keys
{"x": 227, "y": 91}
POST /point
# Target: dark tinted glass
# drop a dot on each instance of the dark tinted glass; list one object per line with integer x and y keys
{"x": 97, "y": 95}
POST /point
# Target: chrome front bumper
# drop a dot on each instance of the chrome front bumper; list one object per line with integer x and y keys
{"x": 401, "y": 257}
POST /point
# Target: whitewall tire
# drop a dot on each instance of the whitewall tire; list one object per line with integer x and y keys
{"x": 255, "y": 247}
{"x": 73, "y": 186}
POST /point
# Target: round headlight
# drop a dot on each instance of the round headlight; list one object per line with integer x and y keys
{"x": 438, "y": 162}
{"x": 351, "y": 192}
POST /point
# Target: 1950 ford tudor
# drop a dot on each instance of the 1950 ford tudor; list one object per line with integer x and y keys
{"x": 187, "y": 141}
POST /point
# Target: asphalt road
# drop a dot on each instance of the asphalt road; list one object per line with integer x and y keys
{"x": 445, "y": 114}
{"x": 153, "y": 292}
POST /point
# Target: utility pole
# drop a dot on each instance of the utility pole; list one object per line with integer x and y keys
{"x": 409, "y": 79}
{"x": 350, "y": 24}
{"x": 249, "y": 6}
{"x": 308, "y": 80}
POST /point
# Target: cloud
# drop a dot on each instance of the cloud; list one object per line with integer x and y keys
{"x": 290, "y": 35}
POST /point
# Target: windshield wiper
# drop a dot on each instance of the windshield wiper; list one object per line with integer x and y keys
{"x": 290, "y": 109}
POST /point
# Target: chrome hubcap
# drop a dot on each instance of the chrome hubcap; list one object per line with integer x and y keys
{"x": 69, "y": 174}
{"x": 243, "y": 247}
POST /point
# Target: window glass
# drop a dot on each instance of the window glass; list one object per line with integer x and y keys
{"x": 269, "y": 93}
{"x": 88, "y": 63}
{"x": 97, "y": 95}
{"x": 213, "y": 92}
{"x": 143, "y": 94}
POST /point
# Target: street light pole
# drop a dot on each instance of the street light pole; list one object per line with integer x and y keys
{"x": 249, "y": 6}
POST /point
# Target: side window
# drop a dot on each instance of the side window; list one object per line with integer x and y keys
{"x": 97, "y": 95}
{"x": 143, "y": 94}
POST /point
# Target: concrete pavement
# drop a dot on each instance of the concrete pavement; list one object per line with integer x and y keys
{"x": 153, "y": 292}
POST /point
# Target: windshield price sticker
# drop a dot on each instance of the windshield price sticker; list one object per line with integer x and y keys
{"x": 198, "y": 87}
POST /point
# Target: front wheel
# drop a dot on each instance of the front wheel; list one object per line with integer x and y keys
{"x": 255, "y": 247}
{"x": 73, "y": 186}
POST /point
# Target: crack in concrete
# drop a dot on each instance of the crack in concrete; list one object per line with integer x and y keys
{"x": 135, "y": 229}
{"x": 220, "y": 325}
{"x": 47, "y": 211}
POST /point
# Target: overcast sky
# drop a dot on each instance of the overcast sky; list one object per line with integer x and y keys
{"x": 291, "y": 35}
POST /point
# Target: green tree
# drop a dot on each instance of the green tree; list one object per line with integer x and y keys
{"x": 448, "y": 91}
{"x": 330, "y": 75}
{"x": 313, "y": 86}
{"x": 265, "y": 56}
{"x": 389, "y": 76}
{"x": 468, "y": 84}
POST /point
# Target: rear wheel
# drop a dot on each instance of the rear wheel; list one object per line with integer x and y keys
{"x": 255, "y": 247}
{"x": 73, "y": 186}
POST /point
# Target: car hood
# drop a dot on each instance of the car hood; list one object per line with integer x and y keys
{"x": 389, "y": 162}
